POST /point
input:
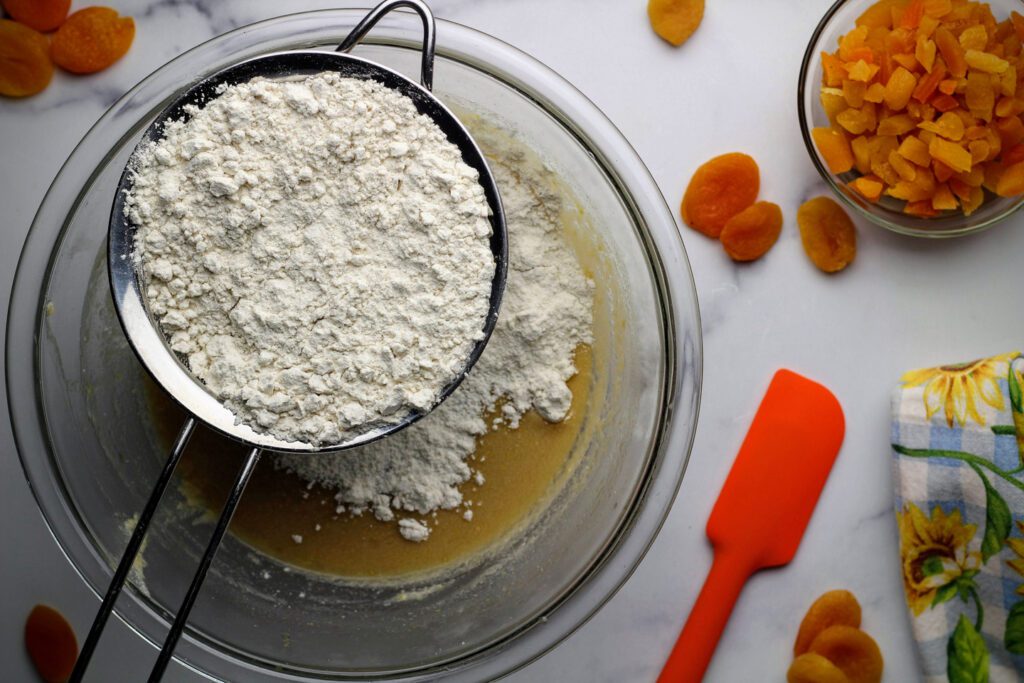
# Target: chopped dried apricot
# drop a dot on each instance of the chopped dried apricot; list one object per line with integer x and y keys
{"x": 912, "y": 14}
{"x": 827, "y": 234}
{"x": 921, "y": 208}
{"x": 91, "y": 40}
{"x": 751, "y": 233}
{"x": 896, "y": 125}
{"x": 675, "y": 20}
{"x": 984, "y": 61}
{"x": 875, "y": 93}
{"x": 941, "y": 106}
{"x": 852, "y": 651}
{"x": 951, "y": 154}
{"x": 951, "y": 51}
{"x": 25, "y": 66}
{"x": 1011, "y": 182}
{"x": 836, "y": 607}
{"x": 979, "y": 95}
{"x": 864, "y": 72}
{"x": 974, "y": 38}
{"x": 949, "y": 126}
{"x": 1010, "y": 131}
{"x": 943, "y": 199}
{"x": 914, "y": 150}
{"x": 718, "y": 190}
{"x": 899, "y": 88}
{"x": 937, "y": 8}
{"x": 1018, "y": 24}
{"x": 924, "y": 53}
{"x": 856, "y": 121}
{"x": 812, "y": 668}
{"x": 1014, "y": 154}
{"x": 861, "y": 148}
{"x": 834, "y": 149}
{"x": 42, "y": 15}
{"x": 868, "y": 187}
{"x": 903, "y": 168}
{"x": 879, "y": 15}
{"x": 944, "y": 103}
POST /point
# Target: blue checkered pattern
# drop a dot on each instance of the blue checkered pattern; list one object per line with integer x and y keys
{"x": 952, "y": 484}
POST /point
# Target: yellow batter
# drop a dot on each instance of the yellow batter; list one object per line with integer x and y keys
{"x": 521, "y": 468}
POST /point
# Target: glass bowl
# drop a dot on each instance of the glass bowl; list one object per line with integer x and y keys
{"x": 84, "y": 436}
{"x": 887, "y": 212}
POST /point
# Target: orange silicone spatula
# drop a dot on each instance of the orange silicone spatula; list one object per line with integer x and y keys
{"x": 763, "y": 508}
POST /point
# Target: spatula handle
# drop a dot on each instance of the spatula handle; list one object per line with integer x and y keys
{"x": 696, "y": 645}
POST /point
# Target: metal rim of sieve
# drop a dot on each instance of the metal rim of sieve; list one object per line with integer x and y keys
{"x": 141, "y": 329}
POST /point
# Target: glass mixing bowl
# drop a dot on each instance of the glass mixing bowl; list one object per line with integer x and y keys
{"x": 87, "y": 446}
{"x": 888, "y": 212}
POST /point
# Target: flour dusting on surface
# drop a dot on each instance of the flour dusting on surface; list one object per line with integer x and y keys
{"x": 318, "y": 252}
{"x": 546, "y": 313}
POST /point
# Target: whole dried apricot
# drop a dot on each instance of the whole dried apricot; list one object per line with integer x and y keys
{"x": 25, "y": 66}
{"x": 827, "y": 234}
{"x": 751, "y": 233}
{"x": 675, "y": 20}
{"x": 851, "y": 650}
{"x": 51, "y": 644}
{"x": 718, "y": 190}
{"x": 812, "y": 668}
{"x": 42, "y": 15}
{"x": 91, "y": 40}
{"x": 834, "y": 608}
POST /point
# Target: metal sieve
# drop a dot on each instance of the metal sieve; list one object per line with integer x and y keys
{"x": 171, "y": 373}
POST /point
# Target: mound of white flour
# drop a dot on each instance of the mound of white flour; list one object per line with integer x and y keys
{"x": 317, "y": 250}
{"x": 546, "y": 313}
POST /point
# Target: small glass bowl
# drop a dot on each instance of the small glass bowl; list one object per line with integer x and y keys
{"x": 888, "y": 212}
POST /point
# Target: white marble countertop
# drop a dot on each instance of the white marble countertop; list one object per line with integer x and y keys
{"x": 904, "y": 303}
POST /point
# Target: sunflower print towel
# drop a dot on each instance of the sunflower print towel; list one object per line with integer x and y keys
{"x": 958, "y": 441}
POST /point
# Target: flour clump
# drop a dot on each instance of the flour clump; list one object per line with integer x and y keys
{"x": 546, "y": 312}
{"x": 316, "y": 250}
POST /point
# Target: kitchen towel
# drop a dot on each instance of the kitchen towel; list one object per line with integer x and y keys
{"x": 958, "y": 444}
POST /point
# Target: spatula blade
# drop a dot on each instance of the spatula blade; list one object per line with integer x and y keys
{"x": 777, "y": 477}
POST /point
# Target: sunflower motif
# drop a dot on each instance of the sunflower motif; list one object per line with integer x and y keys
{"x": 934, "y": 553}
{"x": 959, "y": 388}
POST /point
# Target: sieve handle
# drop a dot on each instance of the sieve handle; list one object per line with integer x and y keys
{"x": 429, "y": 30}
{"x": 131, "y": 550}
{"x": 226, "y": 513}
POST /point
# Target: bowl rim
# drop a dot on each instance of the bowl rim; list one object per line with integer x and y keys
{"x": 921, "y": 229}
{"x": 667, "y": 454}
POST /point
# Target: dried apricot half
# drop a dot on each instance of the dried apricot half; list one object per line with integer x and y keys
{"x": 718, "y": 190}
{"x": 42, "y": 15}
{"x": 675, "y": 20}
{"x": 25, "y": 66}
{"x": 834, "y": 608}
{"x": 92, "y": 39}
{"x": 812, "y": 668}
{"x": 851, "y": 650}
{"x": 51, "y": 644}
{"x": 827, "y": 234}
{"x": 751, "y": 233}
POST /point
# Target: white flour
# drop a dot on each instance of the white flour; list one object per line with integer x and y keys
{"x": 317, "y": 250}
{"x": 546, "y": 313}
